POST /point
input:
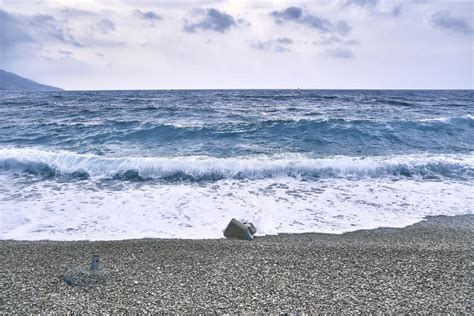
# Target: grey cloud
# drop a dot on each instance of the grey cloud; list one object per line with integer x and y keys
{"x": 330, "y": 40}
{"x": 284, "y": 41}
{"x": 18, "y": 29}
{"x": 444, "y": 20}
{"x": 279, "y": 45}
{"x": 30, "y": 36}
{"x": 323, "y": 25}
{"x": 98, "y": 42}
{"x": 343, "y": 28}
{"x": 397, "y": 11}
{"x": 212, "y": 20}
{"x": 13, "y": 32}
{"x": 148, "y": 15}
{"x": 46, "y": 28}
{"x": 361, "y": 3}
{"x": 281, "y": 49}
{"x": 64, "y": 52}
{"x": 73, "y": 12}
{"x": 24, "y": 38}
{"x": 340, "y": 53}
{"x": 105, "y": 26}
{"x": 289, "y": 14}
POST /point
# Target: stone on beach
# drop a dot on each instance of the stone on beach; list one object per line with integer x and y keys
{"x": 239, "y": 230}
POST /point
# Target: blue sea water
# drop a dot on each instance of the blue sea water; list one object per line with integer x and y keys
{"x": 133, "y": 164}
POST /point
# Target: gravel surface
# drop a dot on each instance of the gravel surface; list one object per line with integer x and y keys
{"x": 426, "y": 267}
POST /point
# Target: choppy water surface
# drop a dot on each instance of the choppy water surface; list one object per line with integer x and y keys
{"x": 132, "y": 164}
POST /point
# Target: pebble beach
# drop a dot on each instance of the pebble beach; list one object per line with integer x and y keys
{"x": 425, "y": 267}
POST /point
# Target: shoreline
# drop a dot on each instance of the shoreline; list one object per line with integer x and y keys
{"x": 420, "y": 222}
{"x": 422, "y": 267}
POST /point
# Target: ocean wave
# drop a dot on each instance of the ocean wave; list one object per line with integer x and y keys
{"x": 325, "y": 120}
{"x": 204, "y": 168}
{"x": 298, "y": 125}
{"x": 395, "y": 102}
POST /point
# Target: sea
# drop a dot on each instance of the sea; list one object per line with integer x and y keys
{"x": 111, "y": 165}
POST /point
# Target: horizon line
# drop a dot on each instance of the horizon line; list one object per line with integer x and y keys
{"x": 250, "y": 89}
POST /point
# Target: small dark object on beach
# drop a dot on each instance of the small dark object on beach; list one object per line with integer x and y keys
{"x": 239, "y": 230}
{"x": 81, "y": 277}
{"x": 95, "y": 263}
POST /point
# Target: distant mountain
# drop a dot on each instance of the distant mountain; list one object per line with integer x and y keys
{"x": 11, "y": 82}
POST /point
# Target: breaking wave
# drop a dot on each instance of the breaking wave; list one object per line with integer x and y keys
{"x": 205, "y": 168}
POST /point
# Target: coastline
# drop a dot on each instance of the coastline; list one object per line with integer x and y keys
{"x": 424, "y": 267}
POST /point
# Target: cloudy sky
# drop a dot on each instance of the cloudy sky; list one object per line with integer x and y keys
{"x": 127, "y": 44}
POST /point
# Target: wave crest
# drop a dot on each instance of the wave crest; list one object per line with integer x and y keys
{"x": 202, "y": 168}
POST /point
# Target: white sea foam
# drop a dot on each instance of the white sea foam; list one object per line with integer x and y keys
{"x": 447, "y": 119}
{"x": 81, "y": 210}
{"x": 436, "y": 119}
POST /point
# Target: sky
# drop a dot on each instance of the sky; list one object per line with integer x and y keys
{"x": 232, "y": 44}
